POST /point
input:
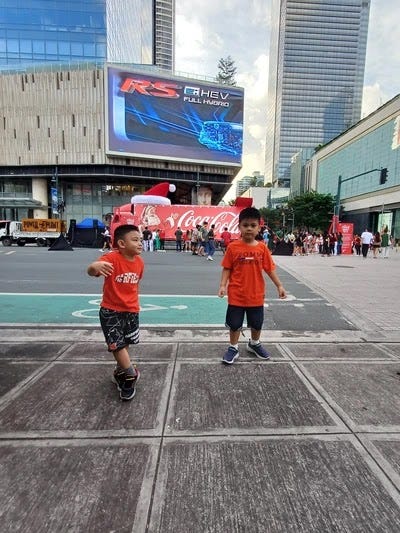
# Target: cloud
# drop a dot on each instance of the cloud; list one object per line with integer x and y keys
{"x": 241, "y": 29}
{"x": 382, "y": 66}
{"x": 373, "y": 97}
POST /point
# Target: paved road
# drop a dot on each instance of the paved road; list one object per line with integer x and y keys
{"x": 178, "y": 289}
{"x": 308, "y": 442}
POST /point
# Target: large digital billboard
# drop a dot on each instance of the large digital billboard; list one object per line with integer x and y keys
{"x": 171, "y": 118}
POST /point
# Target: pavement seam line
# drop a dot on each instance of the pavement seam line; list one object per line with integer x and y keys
{"x": 160, "y": 448}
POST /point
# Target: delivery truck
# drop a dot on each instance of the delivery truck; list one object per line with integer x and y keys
{"x": 40, "y": 231}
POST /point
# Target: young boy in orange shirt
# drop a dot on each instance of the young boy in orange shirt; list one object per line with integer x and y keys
{"x": 119, "y": 309}
{"x": 242, "y": 278}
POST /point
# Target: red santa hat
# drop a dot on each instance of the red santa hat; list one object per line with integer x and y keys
{"x": 162, "y": 189}
{"x": 157, "y": 195}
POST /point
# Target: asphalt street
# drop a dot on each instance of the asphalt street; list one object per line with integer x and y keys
{"x": 38, "y": 286}
{"x": 307, "y": 442}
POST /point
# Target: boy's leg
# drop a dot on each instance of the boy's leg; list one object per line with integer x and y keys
{"x": 255, "y": 319}
{"x": 122, "y": 358}
{"x": 121, "y": 329}
{"x": 234, "y": 321}
{"x": 255, "y": 335}
{"x": 234, "y": 337}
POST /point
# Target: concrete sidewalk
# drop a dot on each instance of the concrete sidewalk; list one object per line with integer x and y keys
{"x": 366, "y": 291}
{"x": 307, "y": 442}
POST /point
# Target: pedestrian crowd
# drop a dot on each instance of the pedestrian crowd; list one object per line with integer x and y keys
{"x": 202, "y": 240}
{"x": 378, "y": 243}
{"x": 328, "y": 244}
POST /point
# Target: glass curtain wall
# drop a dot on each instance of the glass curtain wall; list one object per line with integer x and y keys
{"x": 316, "y": 76}
{"x": 38, "y": 31}
{"x": 130, "y": 30}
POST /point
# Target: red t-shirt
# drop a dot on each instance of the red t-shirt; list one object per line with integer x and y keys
{"x": 121, "y": 288}
{"x": 226, "y": 237}
{"x": 246, "y": 287}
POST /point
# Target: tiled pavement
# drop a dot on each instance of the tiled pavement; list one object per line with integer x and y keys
{"x": 307, "y": 442}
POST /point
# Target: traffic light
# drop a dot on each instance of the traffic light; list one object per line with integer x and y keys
{"x": 383, "y": 178}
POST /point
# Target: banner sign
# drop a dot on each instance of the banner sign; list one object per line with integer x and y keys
{"x": 178, "y": 119}
{"x": 54, "y": 201}
{"x": 347, "y": 230}
{"x": 186, "y": 217}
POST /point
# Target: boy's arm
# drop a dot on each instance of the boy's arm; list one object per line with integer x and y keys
{"x": 224, "y": 282}
{"x": 100, "y": 268}
{"x": 279, "y": 287}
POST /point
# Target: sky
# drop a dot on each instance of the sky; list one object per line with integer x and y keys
{"x": 207, "y": 30}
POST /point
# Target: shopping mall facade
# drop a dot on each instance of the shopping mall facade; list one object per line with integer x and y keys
{"x": 358, "y": 157}
{"x": 79, "y": 140}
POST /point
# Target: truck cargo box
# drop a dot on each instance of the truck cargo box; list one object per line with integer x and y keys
{"x": 44, "y": 224}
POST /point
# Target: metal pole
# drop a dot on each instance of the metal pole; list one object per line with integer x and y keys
{"x": 337, "y": 206}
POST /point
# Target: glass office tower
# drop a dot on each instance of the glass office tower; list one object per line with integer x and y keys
{"x": 316, "y": 74}
{"x": 124, "y": 31}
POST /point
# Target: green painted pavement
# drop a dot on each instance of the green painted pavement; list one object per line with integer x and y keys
{"x": 16, "y": 308}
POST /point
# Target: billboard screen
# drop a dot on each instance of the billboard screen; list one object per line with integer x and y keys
{"x": 160, "y": 117}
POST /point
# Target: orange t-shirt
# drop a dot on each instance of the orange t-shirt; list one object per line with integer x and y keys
{"x": 246, "y": 287}
{"x": 121, "y": 288}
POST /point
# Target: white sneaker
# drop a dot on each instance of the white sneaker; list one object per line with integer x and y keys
{"x": 209, "y": 258}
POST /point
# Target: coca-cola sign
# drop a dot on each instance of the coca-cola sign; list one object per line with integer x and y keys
{"x": 186, "y": 217}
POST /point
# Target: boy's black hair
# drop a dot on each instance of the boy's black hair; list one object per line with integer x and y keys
{"x": 249, "y": 213}
{"x": 121, "y": 231}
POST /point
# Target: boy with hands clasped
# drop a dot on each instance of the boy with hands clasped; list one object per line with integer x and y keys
{"x": 242, "y": 279}
{"x": 119, "y": 309}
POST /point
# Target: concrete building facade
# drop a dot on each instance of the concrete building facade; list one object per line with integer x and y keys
{"x": 360, "y": 153}
{"x": 52, "y": 125}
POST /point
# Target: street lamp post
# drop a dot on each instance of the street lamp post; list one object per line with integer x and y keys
{"x": 383, "y": 178}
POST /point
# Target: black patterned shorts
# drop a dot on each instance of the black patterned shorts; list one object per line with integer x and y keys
{"x": 119, "y": 328}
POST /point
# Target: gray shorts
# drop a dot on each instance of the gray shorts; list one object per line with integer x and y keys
{"x": 120, "y": 328}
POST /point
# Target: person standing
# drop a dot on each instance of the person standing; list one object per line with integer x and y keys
{"x": 211, "y": 243}
{"x": 119, "y": 309}
{"x": 161, "y": 234}
{"x": 366, "y": 239}
{"x": 376, "y": 244}
{"x": 226, "y": 239}
{"x": 243, "y": 281}
{"x": 203, "y": 249}
{"x": 194, "y": 239}
{"x": 385, "y": 244}
{"x": 147, "y": 237}
{"x": 326, "y": 249}
{"x": 357, "y": 244}
{"x": 106, "y": 240}
{"x": 156, "y": 239}
{"x": 178, "y": 239}
{"x": 187, "y": 240}
{"x": 339, "y": 243}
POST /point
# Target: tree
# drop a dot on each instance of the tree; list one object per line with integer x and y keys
{"x": 272, "y": 217}
{"x": 312, "y": 210}
{"x": 226, "y": 71}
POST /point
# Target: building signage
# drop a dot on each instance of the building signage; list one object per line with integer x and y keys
{"x": 171, "y": 118}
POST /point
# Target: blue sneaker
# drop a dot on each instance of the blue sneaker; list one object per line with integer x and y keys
{"x": 230, "y": 355}
{"x": 258, "y": 350}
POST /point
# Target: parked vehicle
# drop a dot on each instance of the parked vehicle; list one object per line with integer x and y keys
{"x": 40, "y": 231}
